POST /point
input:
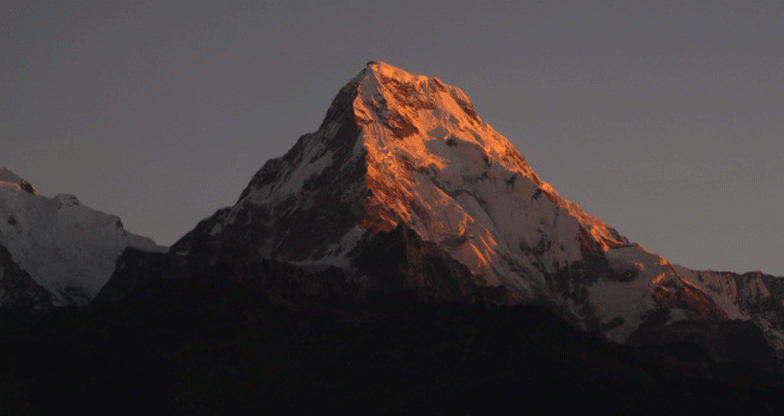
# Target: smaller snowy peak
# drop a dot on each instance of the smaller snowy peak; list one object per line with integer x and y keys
{"x": 10, "y": 179}
{"x": 67, "y": 249}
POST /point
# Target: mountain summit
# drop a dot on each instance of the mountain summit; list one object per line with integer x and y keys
{"x": 404, "y": 188}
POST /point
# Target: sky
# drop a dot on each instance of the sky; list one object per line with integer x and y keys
{"x": 664, "y": 119}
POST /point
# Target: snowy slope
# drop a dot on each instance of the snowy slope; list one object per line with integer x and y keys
{"x": 68, "y": 249}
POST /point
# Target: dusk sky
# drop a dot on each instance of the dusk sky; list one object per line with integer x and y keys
{"x": 664, "y": 119}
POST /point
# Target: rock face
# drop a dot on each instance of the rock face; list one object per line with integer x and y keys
{"x": 55, "y": 251}
{"x": 404, "y": 188}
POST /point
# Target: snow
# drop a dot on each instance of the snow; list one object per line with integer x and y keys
{"x": 677, "y": 315}
{"x": 337, "y": 254}
{"x": 630, "y": 300}
{"x": 63, "y": 244}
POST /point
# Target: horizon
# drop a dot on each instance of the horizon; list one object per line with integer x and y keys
{"x": 672, "y": 136}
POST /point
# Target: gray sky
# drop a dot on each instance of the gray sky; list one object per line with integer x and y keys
{"x": 664, "y": 119}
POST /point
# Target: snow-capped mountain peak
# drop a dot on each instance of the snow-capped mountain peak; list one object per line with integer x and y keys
{"x": 56, "y": 246}
{"x": 404, "y": 187}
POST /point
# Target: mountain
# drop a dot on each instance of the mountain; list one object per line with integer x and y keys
{"x": 403, "y": 188}
{"x": 55, "y": 251}
{"x": 405, "y": 158}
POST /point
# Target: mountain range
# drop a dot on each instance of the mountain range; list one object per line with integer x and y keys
{"x": 403, "y": 192}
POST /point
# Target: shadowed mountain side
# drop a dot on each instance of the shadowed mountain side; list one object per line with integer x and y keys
{"x": 211, "y": 345}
